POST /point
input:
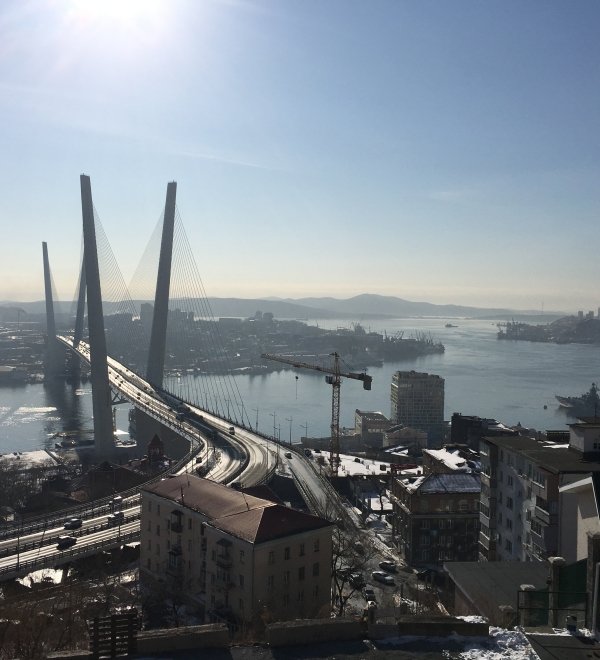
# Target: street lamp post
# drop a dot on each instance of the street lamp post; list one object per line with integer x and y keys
{"x": 256, "y": 411}
{"x": 290, "y": 420}
{"x": 274, "y": 416}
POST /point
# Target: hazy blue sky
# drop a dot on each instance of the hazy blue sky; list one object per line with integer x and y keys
{"x": 442, "y": 150}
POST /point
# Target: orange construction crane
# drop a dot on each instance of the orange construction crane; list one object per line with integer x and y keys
{"x": 334, "y": 379}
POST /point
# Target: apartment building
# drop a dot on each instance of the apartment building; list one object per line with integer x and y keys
{"x": 417, "y": 400}
{"x": 521, "y": 484}
{"x": 232, "y": 556}
{"x": 436, "y": 517}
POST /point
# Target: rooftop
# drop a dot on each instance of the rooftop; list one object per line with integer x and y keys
{"x": 550, "y": 457}
{"x": 250, "y": 518}
{"x": 453, "y": 482}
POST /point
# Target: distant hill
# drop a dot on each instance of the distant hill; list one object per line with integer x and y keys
{"x": 364, "y": 306}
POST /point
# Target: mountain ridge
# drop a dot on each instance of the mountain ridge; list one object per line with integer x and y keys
{"x": 362, "y": 306}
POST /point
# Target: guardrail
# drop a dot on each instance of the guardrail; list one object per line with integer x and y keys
{"x": 26, "y": 566}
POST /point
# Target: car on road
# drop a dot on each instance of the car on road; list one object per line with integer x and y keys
{"x": 231, "y": 430}
{"x": 65, "y": 542}
{"x": 288, "y": 454}
{"x": 115, "y": 518}
{"x": 388, "y": 566}
{"x": 73, "y": 523}
{"x": 369, "y": 594}
{"x": 382, "y": 577}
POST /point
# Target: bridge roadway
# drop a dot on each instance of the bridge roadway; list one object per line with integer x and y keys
{"x": 245, "y": 457}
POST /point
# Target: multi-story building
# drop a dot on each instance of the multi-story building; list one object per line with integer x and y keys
{"x": 233, "y": 556}
{"x": 418, "y": 401}
{"x": 521, "y": 480}
{"x": 470, "y": 429}
{"x": 436, "y": 517}
{"x": 370, "y": 426}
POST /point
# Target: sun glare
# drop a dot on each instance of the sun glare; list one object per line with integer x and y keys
{"x": 120, "y": 14}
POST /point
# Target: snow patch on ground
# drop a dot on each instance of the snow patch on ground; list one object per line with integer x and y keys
{"x": 501, "y": 645}
{"x": 54, "y": 575}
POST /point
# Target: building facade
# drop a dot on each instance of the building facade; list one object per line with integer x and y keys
{"x": 436, "y": 517}
{"x": 417, "y": 400}
{"x": 521, "y": 481}
{"x": 233, "y": 556}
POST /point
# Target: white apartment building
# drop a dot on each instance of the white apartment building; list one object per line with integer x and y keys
{"x": 233, "y": 556}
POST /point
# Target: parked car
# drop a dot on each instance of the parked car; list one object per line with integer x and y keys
{"x": 288, "y": 454}
{"x": 73, "y": 523}
{"x": 428, "y": 574}
{"x": 356, "y": 580}
{"x": 382, "y": 577}
{"x": 65, "y": 542}
{"x": 388, "y": 566}
{"x": 307, "y": 452}
{"x": 369, "y": 594}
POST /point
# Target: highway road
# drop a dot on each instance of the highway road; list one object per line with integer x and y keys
{"x": 240, "y": 456}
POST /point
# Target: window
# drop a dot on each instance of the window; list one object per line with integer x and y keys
{"x": 213, "y": 555}
{"x": 241, "y": 556}
{"x": 157, "y": 530}
{"x": 241, "y": 604}
{"x": 509, "y": 502}
{"x": 158, "y": 509}
{"x": 536, "y": 527}
{"x": 441, "y": 524}
{"x": 286, "y": 578}
{"x": 316, "y": 591}
{"x": 189, "y": 545}
{"x": 508, "y": 545}
{"x": 301, "y": 596}
{"x": 424, "y": 539}
{"x": 189, "y": 524}
{"x": 302, "y": 549}
{"x": 463, "y": 505}
{"x": 315, "y": 569}
{"x": 301, "y": 573}
{"x": 316, "y": 545}
{"x": 286, "y": 600}
{"x": 270, "y": 582}
{"x": 509, "y": 480}
{"x": 424, "y": 524}
{"x": 286, "y": 553}
{"x": 241, "y": 581}
{"x": 271, "y": 557}
{"x": 508, "y": 523}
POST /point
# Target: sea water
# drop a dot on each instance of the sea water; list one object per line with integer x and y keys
{"x": 513, "y": 382}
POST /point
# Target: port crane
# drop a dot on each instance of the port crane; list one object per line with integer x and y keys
{"x": 334, "y": 378}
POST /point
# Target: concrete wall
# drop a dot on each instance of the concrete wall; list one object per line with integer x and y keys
{"x": 214, "y": 635}
{"x": 312, "y": 631}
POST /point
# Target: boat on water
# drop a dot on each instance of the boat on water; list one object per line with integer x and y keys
{"x": 586, "y": 405}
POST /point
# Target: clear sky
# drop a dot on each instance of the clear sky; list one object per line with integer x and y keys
{"x": 435, "y": 150}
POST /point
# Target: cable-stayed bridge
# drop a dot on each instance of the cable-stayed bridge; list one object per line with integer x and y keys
{"x": 212, "y": 421}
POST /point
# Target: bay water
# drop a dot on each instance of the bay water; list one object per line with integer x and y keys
{"x": 506, "y": 380}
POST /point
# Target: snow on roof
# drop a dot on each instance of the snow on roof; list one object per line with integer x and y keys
{"x": 450, "y": 458}
{"x": 349, "y": 465}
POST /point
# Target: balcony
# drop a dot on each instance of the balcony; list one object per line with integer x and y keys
{"x": 224, "y": 561}
{"x": 176, "y": 527}
{"x": 542, "y": 515}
